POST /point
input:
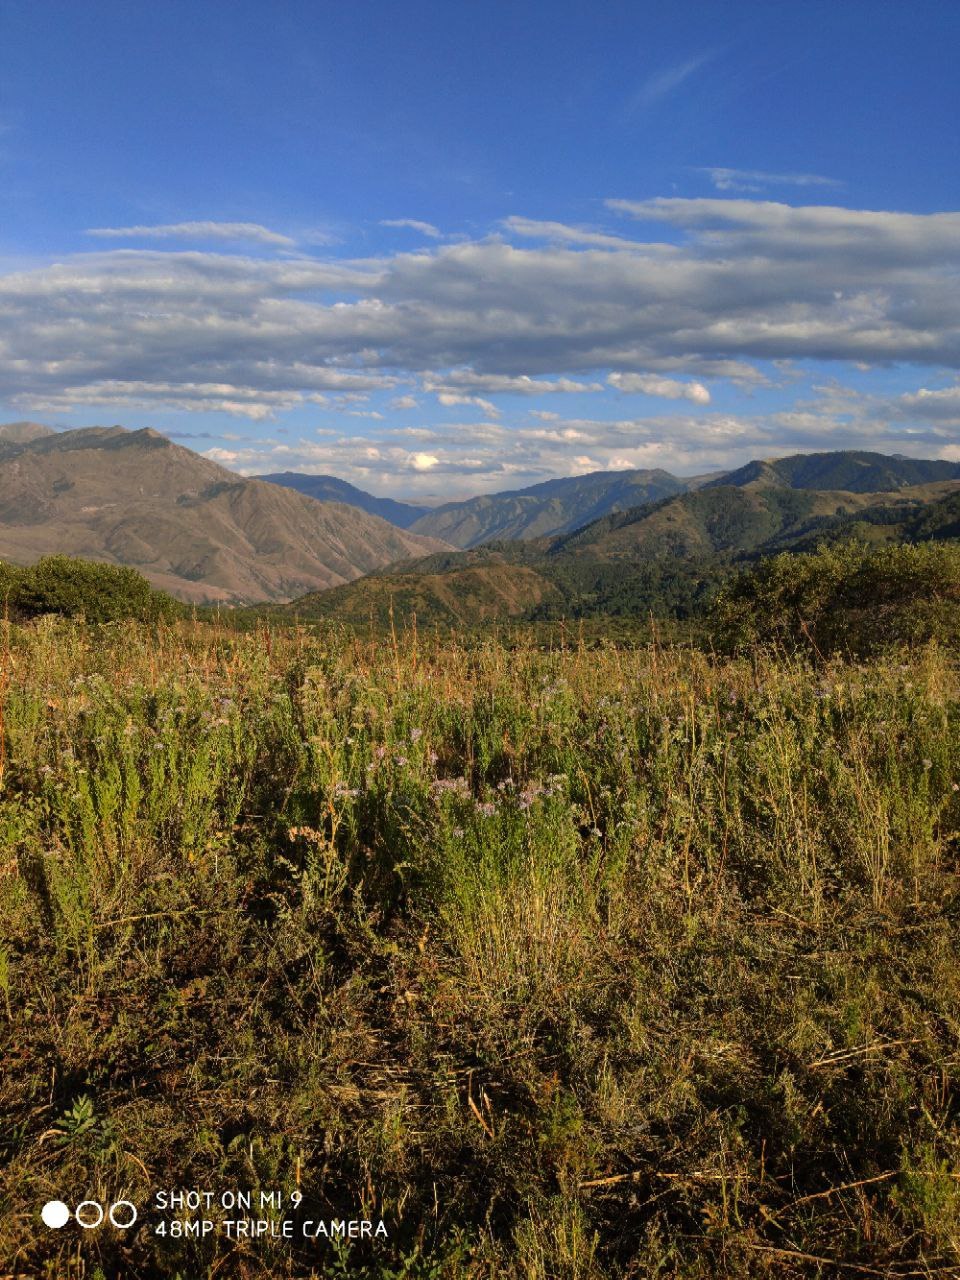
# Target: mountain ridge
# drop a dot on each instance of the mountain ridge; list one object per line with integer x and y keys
{"x": 327, "y": 488}
{"x": 193, "y": 528}
{"x": 547, "y": 508}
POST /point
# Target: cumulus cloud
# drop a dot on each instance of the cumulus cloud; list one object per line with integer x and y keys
{"x": 757, "y": 179}
{"x": 450, "y": 398}
{"x": 652, "y": 385}
{"x": 933, "y": 406}
{"x": 251, "y": 231}
{"x": 413, "y": 224}
{"x": 404, "y": 402}
{"x": 742, "y": 282}
{"x": 468, "y": 380}
{"x": 560, "y": 232}
{"x": 819, "y": 234}
{"x": 458, "y": 459}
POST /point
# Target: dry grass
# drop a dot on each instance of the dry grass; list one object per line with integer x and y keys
{"x": 564, "y": 963}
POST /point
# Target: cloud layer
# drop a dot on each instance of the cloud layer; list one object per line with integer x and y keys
{"x": 704, "y": 291}
{"x": 234, "y": 231}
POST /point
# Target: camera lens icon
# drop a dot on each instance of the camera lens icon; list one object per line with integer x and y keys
{"x": 55, "y": 1214}
{"x": 122, "y": 1214}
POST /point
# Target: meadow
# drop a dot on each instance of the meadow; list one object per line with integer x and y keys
{"x": 564, "y": 961}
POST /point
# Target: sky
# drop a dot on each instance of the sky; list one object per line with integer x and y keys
{"x": 442, "y": 249}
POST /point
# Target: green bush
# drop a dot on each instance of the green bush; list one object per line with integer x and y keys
{"x": 844, "y": 599}
{"x": 82, "y": 588}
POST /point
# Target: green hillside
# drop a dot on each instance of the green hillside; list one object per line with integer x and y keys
{"x": 666, "y": 558}
{"x": 848, "y": 469}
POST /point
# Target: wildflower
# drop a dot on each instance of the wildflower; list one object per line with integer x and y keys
{"x": 416, "y": 735}
{"x": 927, "y": 764}
{"x": 487, "y": 809}
{"x": 458, "y": 786}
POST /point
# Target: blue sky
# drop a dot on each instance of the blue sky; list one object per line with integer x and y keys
{"x": 441, "y": 248}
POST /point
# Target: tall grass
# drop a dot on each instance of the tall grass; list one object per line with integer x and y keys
{"x": 565, "y": 963}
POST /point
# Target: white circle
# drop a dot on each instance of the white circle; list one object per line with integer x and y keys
{"x": 88, "y": 1226}
{"x": 55, "y": 1214}
{"x": 122, "y": 1226}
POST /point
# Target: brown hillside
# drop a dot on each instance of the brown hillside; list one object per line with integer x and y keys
{"x": 22, "y": 432}
{"x": 193, "y": 528}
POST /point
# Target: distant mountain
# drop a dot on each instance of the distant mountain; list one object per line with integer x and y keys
{"x": 664, "y": 557}
{"x": 714, "y": 520}
{"x": 331, "y": 489}
{"x": 23, "y": 432}
{"x": 193, "y": 528}
{"x": 849, "y": 470}
{"x": 554, "y": 506}
{"x": 755, "y": 519}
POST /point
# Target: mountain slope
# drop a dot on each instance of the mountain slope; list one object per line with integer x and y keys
{"x": 461, "y": 596}
{"x": 331, "y": 489}
{"x": 714, "y": 520}
{"x": 23, "y": 432}
{"x": 849, "y": 470}
{"x": 554, "y": 506}
{"x": 664, "y": 558}
{"x": 193, "y": 528}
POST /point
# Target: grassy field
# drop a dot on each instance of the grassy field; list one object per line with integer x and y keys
{"x": 564, "y": 962}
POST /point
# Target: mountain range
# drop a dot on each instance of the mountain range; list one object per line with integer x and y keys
{"x": 566, "y": 504}
{"x": 613, "y": 542}
{"x": 663, "y": 556}
{"x": 196, "y": 530}
{"x": 553, "y": 506}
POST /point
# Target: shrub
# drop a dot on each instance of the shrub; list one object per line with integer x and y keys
{"x": 850, "y": 599}
{"x": 82, "y": 588}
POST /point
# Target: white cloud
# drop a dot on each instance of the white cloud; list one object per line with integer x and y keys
{"x": 560, "y": 232}
{"x": 459, "y": 459}
{"x": 746, "y": 281}
{"x": 468, "y": 380}
{"x": 250, "y": 231}
{"x": 757, "y": 179}
{"x": 450, "y": 398}
{"x": 652, "y": 385}
{"x": 413, "y": 224}
{"x": 664, "y": 82}
{"x": 404, "y": 402}
{"x": 938, "y": 408}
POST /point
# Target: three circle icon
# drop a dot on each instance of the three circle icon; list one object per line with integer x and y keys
{"x": 122, "y": 1214}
